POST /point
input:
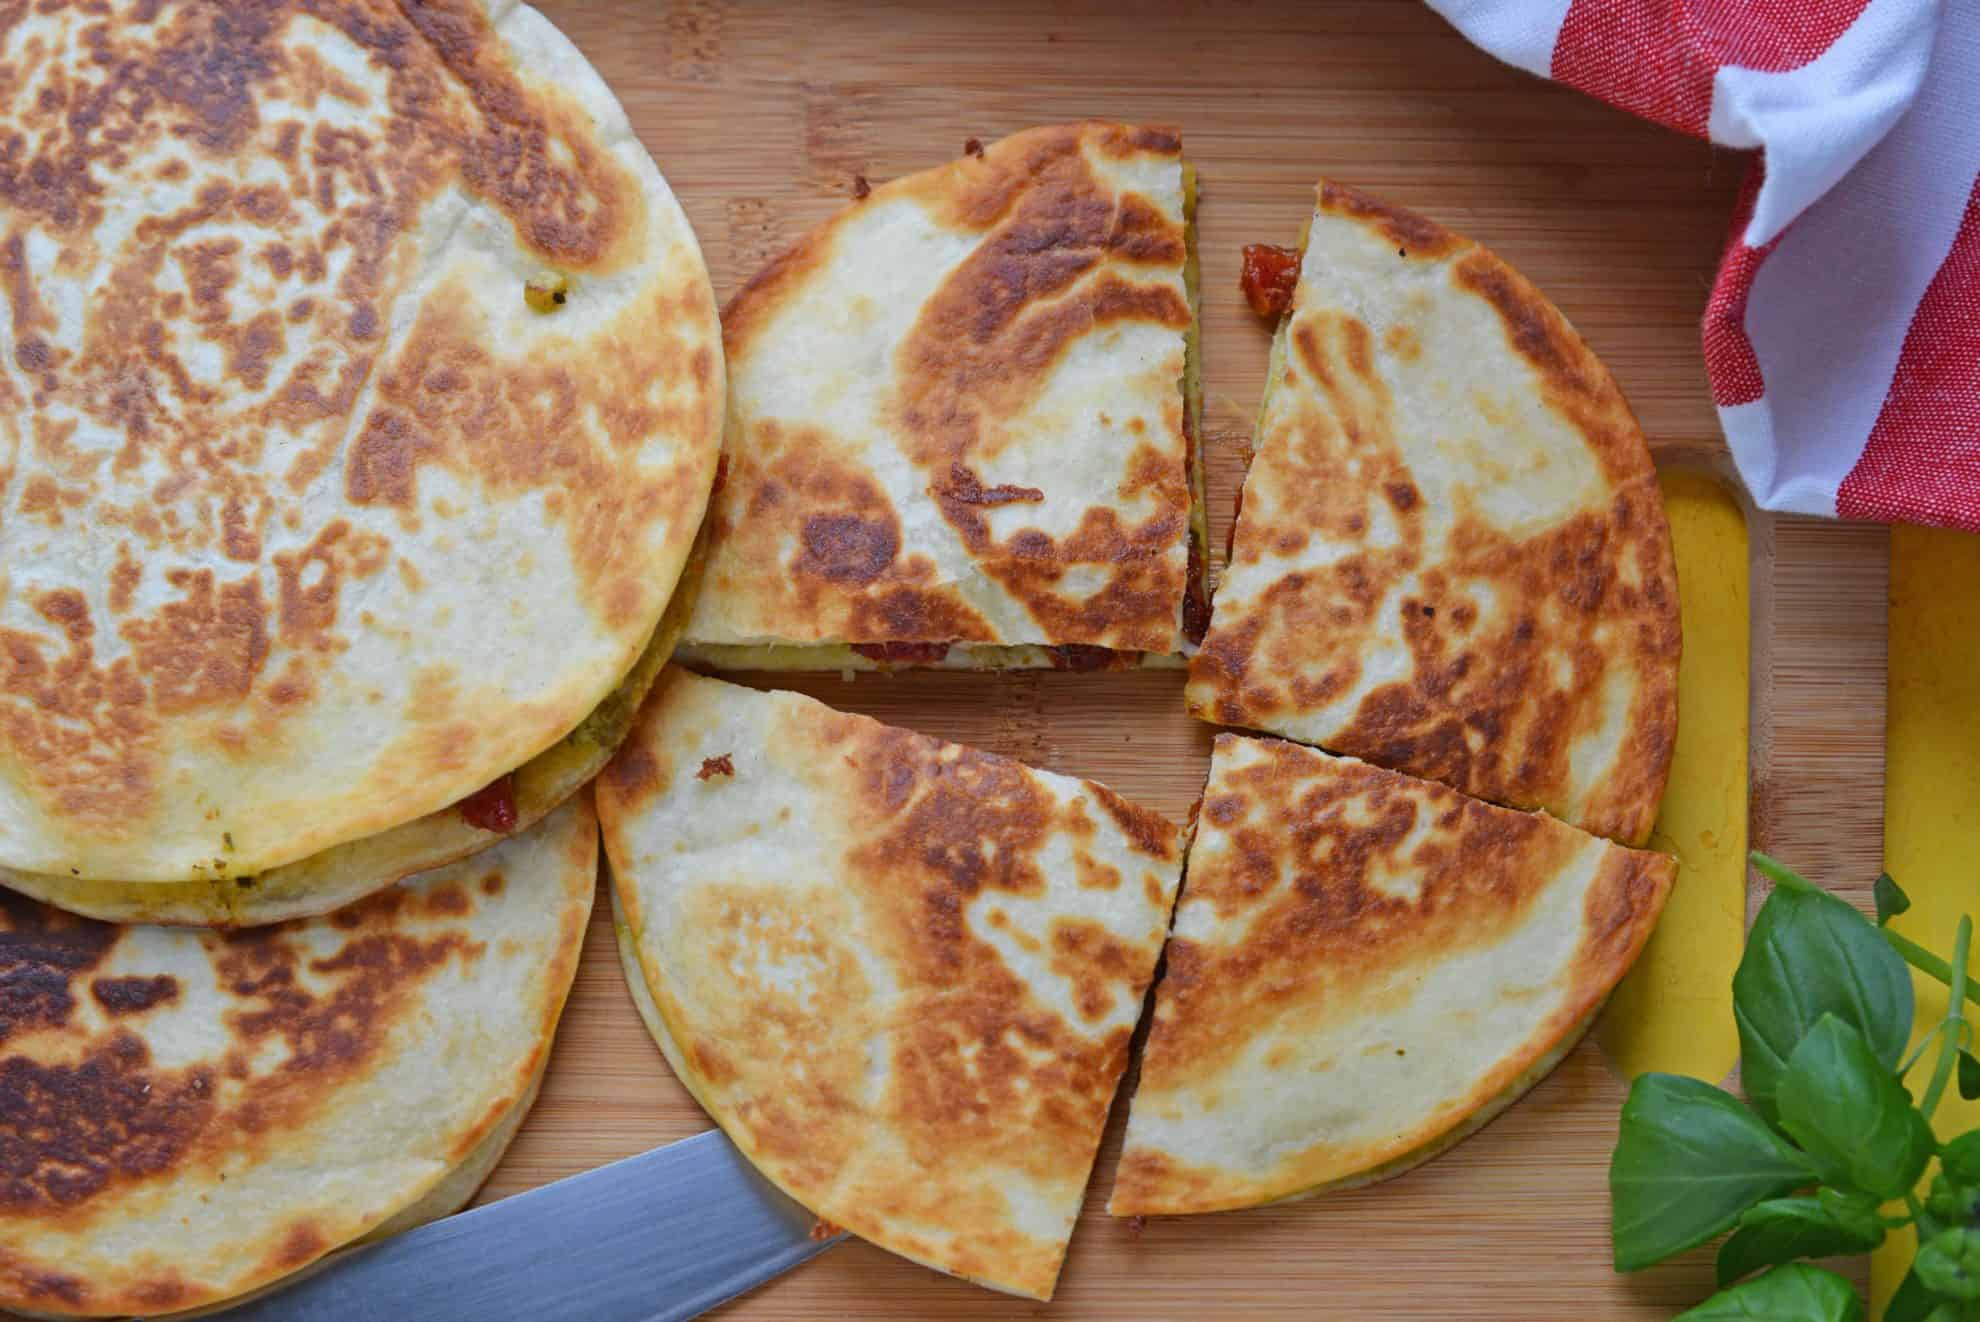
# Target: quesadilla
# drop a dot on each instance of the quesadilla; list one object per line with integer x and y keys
{"x": 337, "y": 876}
{"x": 187, "y": 1117}
{"x": 360, "y": 394}
{"x": 1364, "y": 968}
{"x": 900, "y": 973}
{"x": 963, "y": 421}
{"x": 1451, "y": 556}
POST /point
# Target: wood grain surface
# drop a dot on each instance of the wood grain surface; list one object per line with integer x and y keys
{"x": 762, "y": 114}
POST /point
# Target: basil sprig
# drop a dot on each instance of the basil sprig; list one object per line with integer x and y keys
{"x": 1828, "y": 1134}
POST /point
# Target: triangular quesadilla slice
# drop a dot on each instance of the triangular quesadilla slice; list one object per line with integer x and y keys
{"x": 1364, "y": 969}
{"x": 1451, "y": 556}
{"x": 963, "y": 421}
{"x": 900, "y": 973}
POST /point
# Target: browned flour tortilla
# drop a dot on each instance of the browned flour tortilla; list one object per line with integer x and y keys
{"x": 187, "y": 1116}
{"x": 902, "y": 974}
{"x": 962, "y": 421}
{"x": 1364, "y": 968}
{"x": 1451, "y": 557}
{"x": 359, "y": 383}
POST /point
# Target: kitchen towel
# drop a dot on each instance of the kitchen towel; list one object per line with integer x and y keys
{"x": 1842, "y": 336}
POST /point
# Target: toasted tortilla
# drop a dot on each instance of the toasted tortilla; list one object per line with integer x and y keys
{"x": 1364, "y": 968}
{"x": 1451, "y": 557}
{"x": 962, "y": 421}
{"x": 359, "y": 378}
{"x": 900, "y": 973}
{"x": 345, "y": 873}
{"x": 192, "y": 1117}
{"x": 453, "y": 1193}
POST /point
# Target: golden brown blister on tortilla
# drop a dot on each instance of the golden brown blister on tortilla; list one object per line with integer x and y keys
{"x": 293, "y": 440}
{"x": 957, "y": 412}
{"x": 188, "y": 1116}
{"x": 902, "y": 974}
{"x": 1363, "y": 968}
{"x": 1451, "y": 556}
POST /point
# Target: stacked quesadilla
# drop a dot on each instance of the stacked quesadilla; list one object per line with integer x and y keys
{"x": 900, "y": 973}
{"x": 963, "y": 421}
{"x": 187, "y": 1117}
{"x": 361, "y": 394}
{"x": 1364, "y": 968}
{"x": 358, "y": 423}
{"x": 1451, "y": 556}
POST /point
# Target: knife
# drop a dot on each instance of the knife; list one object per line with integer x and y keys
{"x": 662, "y": 1236}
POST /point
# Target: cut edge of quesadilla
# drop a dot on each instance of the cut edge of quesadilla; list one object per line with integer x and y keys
{"x": 344, "y": 873}
{"x": 1004, "y": 1254}
{"x": 772, "y": 658}
{"x": 1194, "y": 618}
{"x": 1616, "y": 799}
{"x": 628, "y": 941}
{"x": 1346, "y": 807}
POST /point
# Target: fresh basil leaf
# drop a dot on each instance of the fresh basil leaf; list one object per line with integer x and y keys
{"x": 1795, "y": 1292}
{"x": 1850, "y": 1114}
{"x": 1960, "y": 1158}
{"x": 1969, "y": 1075}
{"x": 1689, "y": 1159}
{"x": 1890, "y": 897}
{"x": 1858, "y": 1211}
{"x": 1811, "y": 954}
{"x": 1783, "y": 1229}
{"x": 1949, "y": 1263}
{"x": 1952, "y": 1203}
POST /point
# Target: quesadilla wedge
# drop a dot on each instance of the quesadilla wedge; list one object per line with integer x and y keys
{"x": 900, "y": 973}
{"x": 963, "y": 421}
{"x": 190, "y": 1117}
{"x": 1364, "y": 968}
{"x": 356, "y": 419}
{"x": 1451, "y": 556}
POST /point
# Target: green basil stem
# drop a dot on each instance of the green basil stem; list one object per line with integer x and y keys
{"x": 1917, "y": 1053}
{"x": 1955, "y": 1013}
{"x": 1913, "y": 954}
{"x": 1926, "y": 962}
{"x": 1923, "y": 1222}
{"x": 1783, "y": 875}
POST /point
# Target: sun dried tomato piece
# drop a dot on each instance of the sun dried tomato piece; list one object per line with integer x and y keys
{"x": 493, "y": 806}
{"x": 1270, "y": 276}
{"x": 1084, "y": 656}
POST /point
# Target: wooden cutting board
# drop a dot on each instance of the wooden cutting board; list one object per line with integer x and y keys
{"x": 761, "y": 115}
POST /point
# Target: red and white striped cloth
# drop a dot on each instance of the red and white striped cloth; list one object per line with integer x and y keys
{"x": 1842, "y": 337}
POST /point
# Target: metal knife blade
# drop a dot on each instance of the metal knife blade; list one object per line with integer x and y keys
{"x": 659, "y": 1237}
